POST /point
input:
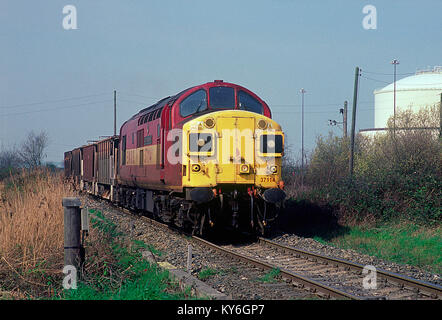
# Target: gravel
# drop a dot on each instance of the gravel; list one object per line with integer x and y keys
{"x": 237, "y": 280}
{"x": 309, "y": 244}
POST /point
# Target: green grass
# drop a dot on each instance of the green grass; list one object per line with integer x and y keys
{"x": 206, "y": 273}
{"x": 400, "y": 242}
{"x": 125, "y": 275}
{"x": 270, "y": 276}
{"x": 146, "y": 282}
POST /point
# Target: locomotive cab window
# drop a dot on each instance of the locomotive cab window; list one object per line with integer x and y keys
{"x": 271, "y": 144}
{"x": 222, "y": 98}
{"x": 248, "y": 103}
{"x": 194, "y": 103}
{"x": 200, "y": 143}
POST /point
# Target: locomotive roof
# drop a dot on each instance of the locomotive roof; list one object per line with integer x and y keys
{"x": 171, "y": 99}
{"x": 160, "y": 104}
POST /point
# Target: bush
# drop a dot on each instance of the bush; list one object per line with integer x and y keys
{"x": 9, "y": 162}
{"x": 291, "y": 168}
{"x": 329, "y": 161}
{"x": 396, "y": 174}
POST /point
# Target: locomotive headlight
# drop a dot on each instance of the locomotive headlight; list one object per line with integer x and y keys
{"x": 244, "y": 168}
{"x": 209, "y": 123}
{"x": 273, "y": 169}
{"x": 262, "y": 124}
{"x": 196, "y": 167}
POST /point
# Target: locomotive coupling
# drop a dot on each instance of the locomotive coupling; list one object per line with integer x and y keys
{"x": 274, "y": 195}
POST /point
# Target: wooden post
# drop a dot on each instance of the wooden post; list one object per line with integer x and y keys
{"x": 72, "y": 240}
{"x": 353, "y": 121}
{"x": 344, "y": 120}
{"x": 115, "y": 112}
{"x": 303, "y": 91}
{"x": 440, "y": 117}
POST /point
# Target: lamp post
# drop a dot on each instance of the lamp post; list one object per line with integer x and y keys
{"x": 394, "y": 63}
{"x": 302, "y": 125}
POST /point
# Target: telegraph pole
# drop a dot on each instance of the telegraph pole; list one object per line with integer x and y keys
{"x": 344, "y": 119}
{"x": 353, "y": 120}
{"x": 302, "y": 150}
{"x": 395, "y": 63}
{"x": 440, "y": 117}
{"x": 115, "y": 112}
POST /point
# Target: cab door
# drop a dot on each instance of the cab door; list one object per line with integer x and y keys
{"x": 236, "y": 147}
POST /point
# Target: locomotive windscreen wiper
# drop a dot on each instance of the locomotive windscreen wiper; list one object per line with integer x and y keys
{"x": 200, "y": 105}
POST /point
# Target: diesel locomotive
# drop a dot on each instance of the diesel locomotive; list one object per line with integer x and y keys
{"x": 208, "y": 156}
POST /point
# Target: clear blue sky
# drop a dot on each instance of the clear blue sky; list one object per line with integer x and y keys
{"x": 147, "y": 50}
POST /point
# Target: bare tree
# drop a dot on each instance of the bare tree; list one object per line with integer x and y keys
{"x": 32, "y": 149}
{"x": 9, "y": 158}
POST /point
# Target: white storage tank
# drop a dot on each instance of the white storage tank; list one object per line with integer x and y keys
{"x": 417, "y": 91}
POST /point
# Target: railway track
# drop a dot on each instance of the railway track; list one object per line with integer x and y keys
{"x": 423, "y": 288}
{"x": 324, "y": 276}
{"x": 339, "y": 278}
{"x": 328, "y": 277}
{"x": 322, "y": 290}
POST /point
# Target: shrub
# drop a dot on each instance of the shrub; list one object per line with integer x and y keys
{"x": 396, "y": 174}
{"x": 329, "y": 161}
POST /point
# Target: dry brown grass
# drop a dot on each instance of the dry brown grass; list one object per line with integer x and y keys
{"x": 31, "y": 231}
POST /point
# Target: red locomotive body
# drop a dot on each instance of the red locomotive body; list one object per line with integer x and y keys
{"x": 208, "y": 155}
{"x": 144, "y": 142}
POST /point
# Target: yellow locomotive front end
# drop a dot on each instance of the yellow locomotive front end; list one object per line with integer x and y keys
{"x": 233, "y": 159}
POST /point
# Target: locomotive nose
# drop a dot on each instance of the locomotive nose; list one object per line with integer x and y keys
{"x": 232, "y": 147}
{"x": 236, "y": 148}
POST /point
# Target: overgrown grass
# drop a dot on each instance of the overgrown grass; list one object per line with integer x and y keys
{"x": 404, "y": 243}
{"x": 116, "y": 270}
{"x": 31, "y": 233}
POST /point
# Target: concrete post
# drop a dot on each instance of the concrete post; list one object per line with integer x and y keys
{"x": 72, "y": 241}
